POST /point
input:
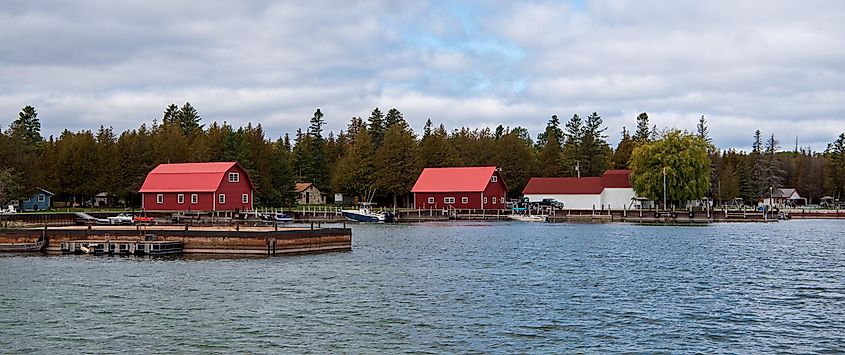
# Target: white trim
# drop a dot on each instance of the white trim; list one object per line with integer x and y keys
{"x": 180, "y": 199}
{"x": 221, "y": 198}
{"x": 159, "y": 199}
{"x": 430, "y": 199}
{"x": 494, "y": 178}
{"x": 448, "y": 199}
{"x": 194, "y": 199}
{"x": 464, "y": 199}
{"x": 41, "y": 198}
{"x": 244, "y": 197}
{"x": 234, "y": 177}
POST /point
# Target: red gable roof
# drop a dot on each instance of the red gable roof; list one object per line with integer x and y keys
{"x": 190, "y": 177}
{"x": 577, "y": 186}
{"x": 461, "y": 179}
{"x": 564, "y": 186}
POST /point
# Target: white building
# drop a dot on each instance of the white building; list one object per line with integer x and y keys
{"x": 612, "y": 190}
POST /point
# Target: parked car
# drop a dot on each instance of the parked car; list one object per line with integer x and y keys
{"x": 87, "y": 219}
{"x": 550, "y": 202}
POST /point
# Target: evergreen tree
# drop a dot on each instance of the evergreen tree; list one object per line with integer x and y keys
{"x": 701, "y": 129}
{"x": 550, "y": 158}
{"x": 188, "y": 120}
{"x": 316, "y": 169}
{"x": 376, "y": 127}
{"x": 552, "y": 127}
{"x": 835, "y": 181}
{"x": 595, "y": 151}
{"x": 435, "y": 150}
{"x": 572, "y": 146}
{"x": 769, "y": 173}
{"x": 394, "y": 117}
{"x": 515, "y": 157}
{"x": 170, "y": 114}
{"x": 622, "y": 154}
{"x": 643, "y": 133}
{"x": 27, "y": 128}
{"x": 396, "y": 165}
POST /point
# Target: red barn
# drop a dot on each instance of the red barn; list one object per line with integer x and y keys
{"x": 463, "y": 188}
{"x": 224, "y": 186}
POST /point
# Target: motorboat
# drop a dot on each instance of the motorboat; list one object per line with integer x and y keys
{"x": 527, "y": 217}
{"x": 282, "y": 217}
{"x": 364, "y": 214}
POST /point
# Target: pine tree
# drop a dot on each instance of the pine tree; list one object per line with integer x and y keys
{"x": 316, "y": 169}
{"x": 622, "y": 154}
{"x": 574, "y": 136}
{"x": 701, "y": 129}
{"x": 643, "y": 133}
{"x": 552, "y": 127}
{"x": 394, "y": 117}
{"x": 27, "y": 127}
{"x": 376, "y": 127}
{"x": 189, "y": 120}
{"x": 594, "y": 150}
{"x": 170, "y": 114}
{"x": 550, "y": 158}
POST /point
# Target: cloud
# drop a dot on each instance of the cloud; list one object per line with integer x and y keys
{"x": 777, "y": 66}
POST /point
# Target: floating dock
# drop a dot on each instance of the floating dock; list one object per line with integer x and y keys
{"x": 162, "y": 240}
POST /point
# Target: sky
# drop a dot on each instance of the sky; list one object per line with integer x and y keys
{"x": 776, "y": 66}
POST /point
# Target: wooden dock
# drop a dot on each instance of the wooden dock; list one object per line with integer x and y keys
{"x": 152, "y": 240}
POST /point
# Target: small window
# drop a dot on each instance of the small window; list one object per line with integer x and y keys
{"x": 485, "y": 199}
{"x": 494, "y": 179}
{"x": 194, "y": 198}
{"x": 431, "y": 200}
{"x": 234, "y": 177}
{"x": 464, "y": 200}
{"x": 160, "y": 198}
{"x": 40, "y": 197}
{"x": 245, "y": 198}
{"x": 448, "y": 200}
{"x": 221, "y": 199}
{"x": 494, "y": 200}
{"x": 180, "y": 198}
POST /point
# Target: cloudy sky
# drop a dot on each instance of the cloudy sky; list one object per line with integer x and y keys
{"x": 777, "y": 66}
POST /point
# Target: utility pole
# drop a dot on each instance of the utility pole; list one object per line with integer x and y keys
{"x": 664, "y": 188}
{"x": 578, "y": 168}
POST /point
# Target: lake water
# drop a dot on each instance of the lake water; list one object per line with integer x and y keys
{"x": 452, "y": 287}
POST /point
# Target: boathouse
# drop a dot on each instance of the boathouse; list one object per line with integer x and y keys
{"x": 460, "y": 188}
{"x": 611, "y": 190}
{"x": 218, "y": 186}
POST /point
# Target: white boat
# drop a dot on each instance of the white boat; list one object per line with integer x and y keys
{"x": 527, "y": 217}
{"x": 364, "y": 214}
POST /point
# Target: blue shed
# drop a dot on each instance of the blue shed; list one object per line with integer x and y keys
{"x": 40, "y": 200}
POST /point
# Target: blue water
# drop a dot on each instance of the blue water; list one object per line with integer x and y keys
{"x": 452, "y": 287}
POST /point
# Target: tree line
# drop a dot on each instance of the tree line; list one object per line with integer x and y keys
{"x": 382, "y": 155}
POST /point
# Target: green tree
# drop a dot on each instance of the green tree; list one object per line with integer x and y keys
{"x": 622, "y": 154}
{"x": 594, "y": 152}
{"x": 643, "y": 133}
{"x": 550, "y": 158}
{"x": 836, "y": 172}
{"x": 188, "y": 120}
{"x": 552, "y": 127}
{"x": 27, "y": 128}
{"x": 354, "y": 172}
{"x": 680, "y": 157}
{"x": 702, "y": 131}
{"x": 316, "y": 169}
{"x": 572, "y": 146}
{"x": 435, "y": 149}
{"x": 393, "y": 117}
{"x": 396, "y": 163}
{"x": 769, "y": 172}
{"x": 376, "y": 127}
{"x": 515, "y": 157}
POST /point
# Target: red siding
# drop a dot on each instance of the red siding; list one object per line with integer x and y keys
{"x": 474, "y": 199}
{"x": 206, "y": 201}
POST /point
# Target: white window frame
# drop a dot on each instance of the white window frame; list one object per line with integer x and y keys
{"x": 221, "y": 199}
{"x": 159, "y": 198}
{"x": 234, "y": 177}
{"x": 180, "y": 199}
{"x": 245, "y": 198}
{"x": 494, "y": 178}
{"x": 449, "y": 200}
{"x": 485, "y": 200}
{"x": 494, "y": 200}
{"x": 465, "y": 200}
{"x": 431, "y": 199}
{"x": 41, "y": 198}
{"x": 194, "y": 199}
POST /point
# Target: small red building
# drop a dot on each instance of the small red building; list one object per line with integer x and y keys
{"x": 223, "y": 186}
{"x": 460, "y": 187}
